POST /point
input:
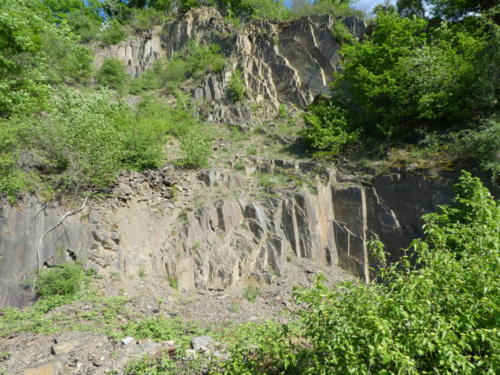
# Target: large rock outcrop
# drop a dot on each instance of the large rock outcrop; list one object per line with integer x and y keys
{"x": 219, "y": 228}
{"x": 281, "y": 62}
{"x": 31, "y": 236}
{"x": 207, "y": 241}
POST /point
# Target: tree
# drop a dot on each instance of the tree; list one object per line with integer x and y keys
{"x": 457, "y": 9}
{"x": 407, "y": 8}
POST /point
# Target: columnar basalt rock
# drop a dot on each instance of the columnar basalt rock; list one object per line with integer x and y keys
{"x": 221, "y": 242}
{"x": 281, "y": 62}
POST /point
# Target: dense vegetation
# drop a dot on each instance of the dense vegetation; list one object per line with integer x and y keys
{"x": 436, "y": 311}
{"x": 63, "y": 126}
{"x": 412, "y": 76}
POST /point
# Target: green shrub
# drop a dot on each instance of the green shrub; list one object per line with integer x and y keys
{"x": 327, "y": 131}
{"x": 483, "y": 145}
{"x": 144, "y": 19}
{"x": 12, "y": 179}
{"x": 282, "y": 111}
{"x": 113, "y": 33}
{"x": 160, "y": 329}
{"x": 303, "y": 8}
{"x": 35, "y": 51}
{"x": 78, "y": 144}
{"x": 194, "y": 61}
{"x": 196, "y": 145}
{"x": 112, "y": 74}
{"x": 251, "y": 292}
{"x": 69, "y": 61}
{"x": 407, "y": 74}
{"x": 436, "y": 310}
{"x": 237, "y": 89}
{"x": 64, "y": 280}
{"x": 266, "y": 9}
{"x": 342, "y": 33}
{"x": 201, "y": 58}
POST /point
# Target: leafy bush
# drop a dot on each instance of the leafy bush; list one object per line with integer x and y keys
{"x": 404, "y": 76}
{"x": 303, "y": 8}
{"x": 196, "y": 146}
{"x": 483, "y": 145}
{"x": 58, "y": 286}
{"x": 12, "y": 179}
{"x": 69, "y": 61}
{"x": 158, "y": 329}
{"x": 112, "y": 33}
{"x": 64, "y": 280}
{"x": 237, "y": 89}
{"x": 112, "y": 74}
{"x": 436, "y": 310}
{"x": 266, "y": 9}
{"x": 202, "y": 58}
{"x": 342, "y": 33}
{"x": 143, "y": 19}
{"x": 35, "y": 51}
{"x": 327, "y": 130}
{"x": 78, "y": 145}
{"x": 194, "y": 61}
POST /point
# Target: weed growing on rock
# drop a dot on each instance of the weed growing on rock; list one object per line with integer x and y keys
{"x": 237, "y": 89}
{"x": 173, "y": 282}
{"x": 251, "y": 291}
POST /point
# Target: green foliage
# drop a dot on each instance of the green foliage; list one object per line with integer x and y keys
{"x": 194, "y": 61}
{"x": 402, "y": 76}
{"x": 237, "y": 89}
{"x": 436, "y": 310}
{"x": 265, "y": 9}
{"x": 112, "y": 33}
{"x": 303, "y": 8}
{"x": 408, "y": 8}
{"x": 112, "y": 74}
{"x": 327, "y": 130}
{"x": 12, "y": 179}
{"x": 251, "y": 292}
{"x": 165, "y": 363}
{"x": 282, "y": 111}
{"x": 173, "y": 282}
{"x": 78, "y": 144}
{"x": 201, "y": 58}
{"x": 407, "y": 75}
{"x": 64, "y": 280}
{"x": 482, "y": 146}
{"x": 143, "y": 19}
{"x": 35, "y": 51}
{"x": 196, "y": 145}
{"x": 342, "y": 33}
{"x": 456, "y": 9}
{"x": 160, "y": 329}
{"x": 82, "y": 17}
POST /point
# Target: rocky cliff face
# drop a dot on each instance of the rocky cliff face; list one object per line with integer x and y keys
{"x": 281, "y": 62}
{"x": 31, "y": 236}
{"x": 216, "y": 228}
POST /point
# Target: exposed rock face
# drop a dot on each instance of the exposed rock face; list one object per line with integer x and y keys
{"x": 206, "y": 241}
{"x": 137, "y": 54}
{"x": 21, "y": 247}
{"x": 281, "y": 62}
